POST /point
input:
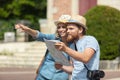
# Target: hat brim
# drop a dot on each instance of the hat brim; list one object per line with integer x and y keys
{"x": 77, "y": 24}
{"x": 57, "y": 22}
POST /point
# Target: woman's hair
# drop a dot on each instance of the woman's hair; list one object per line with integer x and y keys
{"x": 57, "y": 35}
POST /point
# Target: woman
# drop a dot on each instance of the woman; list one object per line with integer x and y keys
{"x": 47, "y": 70}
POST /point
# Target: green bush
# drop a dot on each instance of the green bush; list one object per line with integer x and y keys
{"x": 6, "y": 26}
{"x": 104, "y": 23}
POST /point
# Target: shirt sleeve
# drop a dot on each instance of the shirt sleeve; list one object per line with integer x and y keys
{"x": 92, "y": 43}
{"x": 41, "y": 36}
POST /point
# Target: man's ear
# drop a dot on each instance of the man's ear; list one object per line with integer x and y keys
{"x": 80, "y": 30}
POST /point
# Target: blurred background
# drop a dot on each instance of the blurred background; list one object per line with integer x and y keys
{"x": 20, "y": 54}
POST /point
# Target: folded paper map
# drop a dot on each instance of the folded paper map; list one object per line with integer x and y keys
{"x": 58, "y": 56}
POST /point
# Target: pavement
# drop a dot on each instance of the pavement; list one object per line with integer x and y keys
{"x": 114, "y": 79}
{"x": 112, "y": 75}
{"x": 17, "y": 73}
{"x": 29, "y": 74}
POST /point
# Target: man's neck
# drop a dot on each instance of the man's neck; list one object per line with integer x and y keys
{"x": 80, "y": 37}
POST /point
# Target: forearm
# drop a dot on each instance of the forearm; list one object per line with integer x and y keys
{"x": 74, "y": 54}
{"x": 80, "y": 56}
{"x": 31, "y": 32}
{"x": 67, "y": 69}
{"x": 84, "y": 56}
{"x": 26, "y": 29}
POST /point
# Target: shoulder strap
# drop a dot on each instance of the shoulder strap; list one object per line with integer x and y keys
{"x": 77, "y": 50}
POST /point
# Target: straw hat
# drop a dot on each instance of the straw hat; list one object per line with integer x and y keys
{"x": 63, "y": 19}
{"x": 77, "y": 19}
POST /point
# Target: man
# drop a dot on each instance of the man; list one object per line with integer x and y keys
{"x": 83, "y": 50}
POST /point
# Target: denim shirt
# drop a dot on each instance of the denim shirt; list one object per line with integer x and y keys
{"x": 48, "y": 69}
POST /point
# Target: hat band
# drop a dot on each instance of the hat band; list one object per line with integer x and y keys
{"x": 71, "y": 20}
{"x": 77, "y": 22}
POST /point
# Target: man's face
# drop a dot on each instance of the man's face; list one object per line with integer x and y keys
{"x": 73, "y": 32}
{"x": 61, "y": 29}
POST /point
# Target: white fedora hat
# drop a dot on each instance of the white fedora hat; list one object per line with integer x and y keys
{"x": 77, "y": 19}
{"x": 63, "y": 19}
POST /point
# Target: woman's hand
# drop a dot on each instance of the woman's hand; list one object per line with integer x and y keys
{"x": 58, "y": 66}
{"x": 21, "y": 27}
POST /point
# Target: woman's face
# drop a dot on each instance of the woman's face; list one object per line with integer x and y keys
{"x": 61, "y": 30}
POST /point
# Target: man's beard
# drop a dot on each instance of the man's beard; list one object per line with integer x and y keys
{"x": 71, "y": 38}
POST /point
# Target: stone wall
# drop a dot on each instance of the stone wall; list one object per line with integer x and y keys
{"x": 21, "y": 54}
{"x": 110, "y": 64}
{"x": 29, "y": 54}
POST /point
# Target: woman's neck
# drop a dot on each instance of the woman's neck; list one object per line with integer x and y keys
{"x": 64, "y": 40}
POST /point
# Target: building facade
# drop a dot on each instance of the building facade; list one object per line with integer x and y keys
{"x": 55, "y": 8}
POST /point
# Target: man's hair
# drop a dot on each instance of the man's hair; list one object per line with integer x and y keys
{"x": 84, "y": 30}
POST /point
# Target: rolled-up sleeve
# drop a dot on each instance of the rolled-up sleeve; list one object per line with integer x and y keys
{"x": 41, "y": 36}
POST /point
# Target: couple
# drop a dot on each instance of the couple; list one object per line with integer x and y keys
{"x": 75, "y": 44}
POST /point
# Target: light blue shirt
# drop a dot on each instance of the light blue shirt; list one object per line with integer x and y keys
{"x": 48, "y": 69}
{"x": 79, "y": 71}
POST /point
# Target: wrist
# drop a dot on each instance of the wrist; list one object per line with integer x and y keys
{"x": 66, "y": 49}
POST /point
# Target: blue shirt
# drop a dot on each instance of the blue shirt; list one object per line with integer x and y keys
{"x": 47, "y": 69}
{"x": 79, "y": 71}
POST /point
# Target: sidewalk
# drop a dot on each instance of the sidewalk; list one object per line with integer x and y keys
{"x": 29, "y": 74}
{"x": 17, "y": 73}
{"x": 114, "y": 79}
{"x": 112, "y": 75}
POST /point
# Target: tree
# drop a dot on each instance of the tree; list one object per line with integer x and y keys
{"x": 14, "y": 10}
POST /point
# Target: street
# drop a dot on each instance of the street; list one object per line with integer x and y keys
{"x": 29, "y": 74}
{"x": 17, "y": 74}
